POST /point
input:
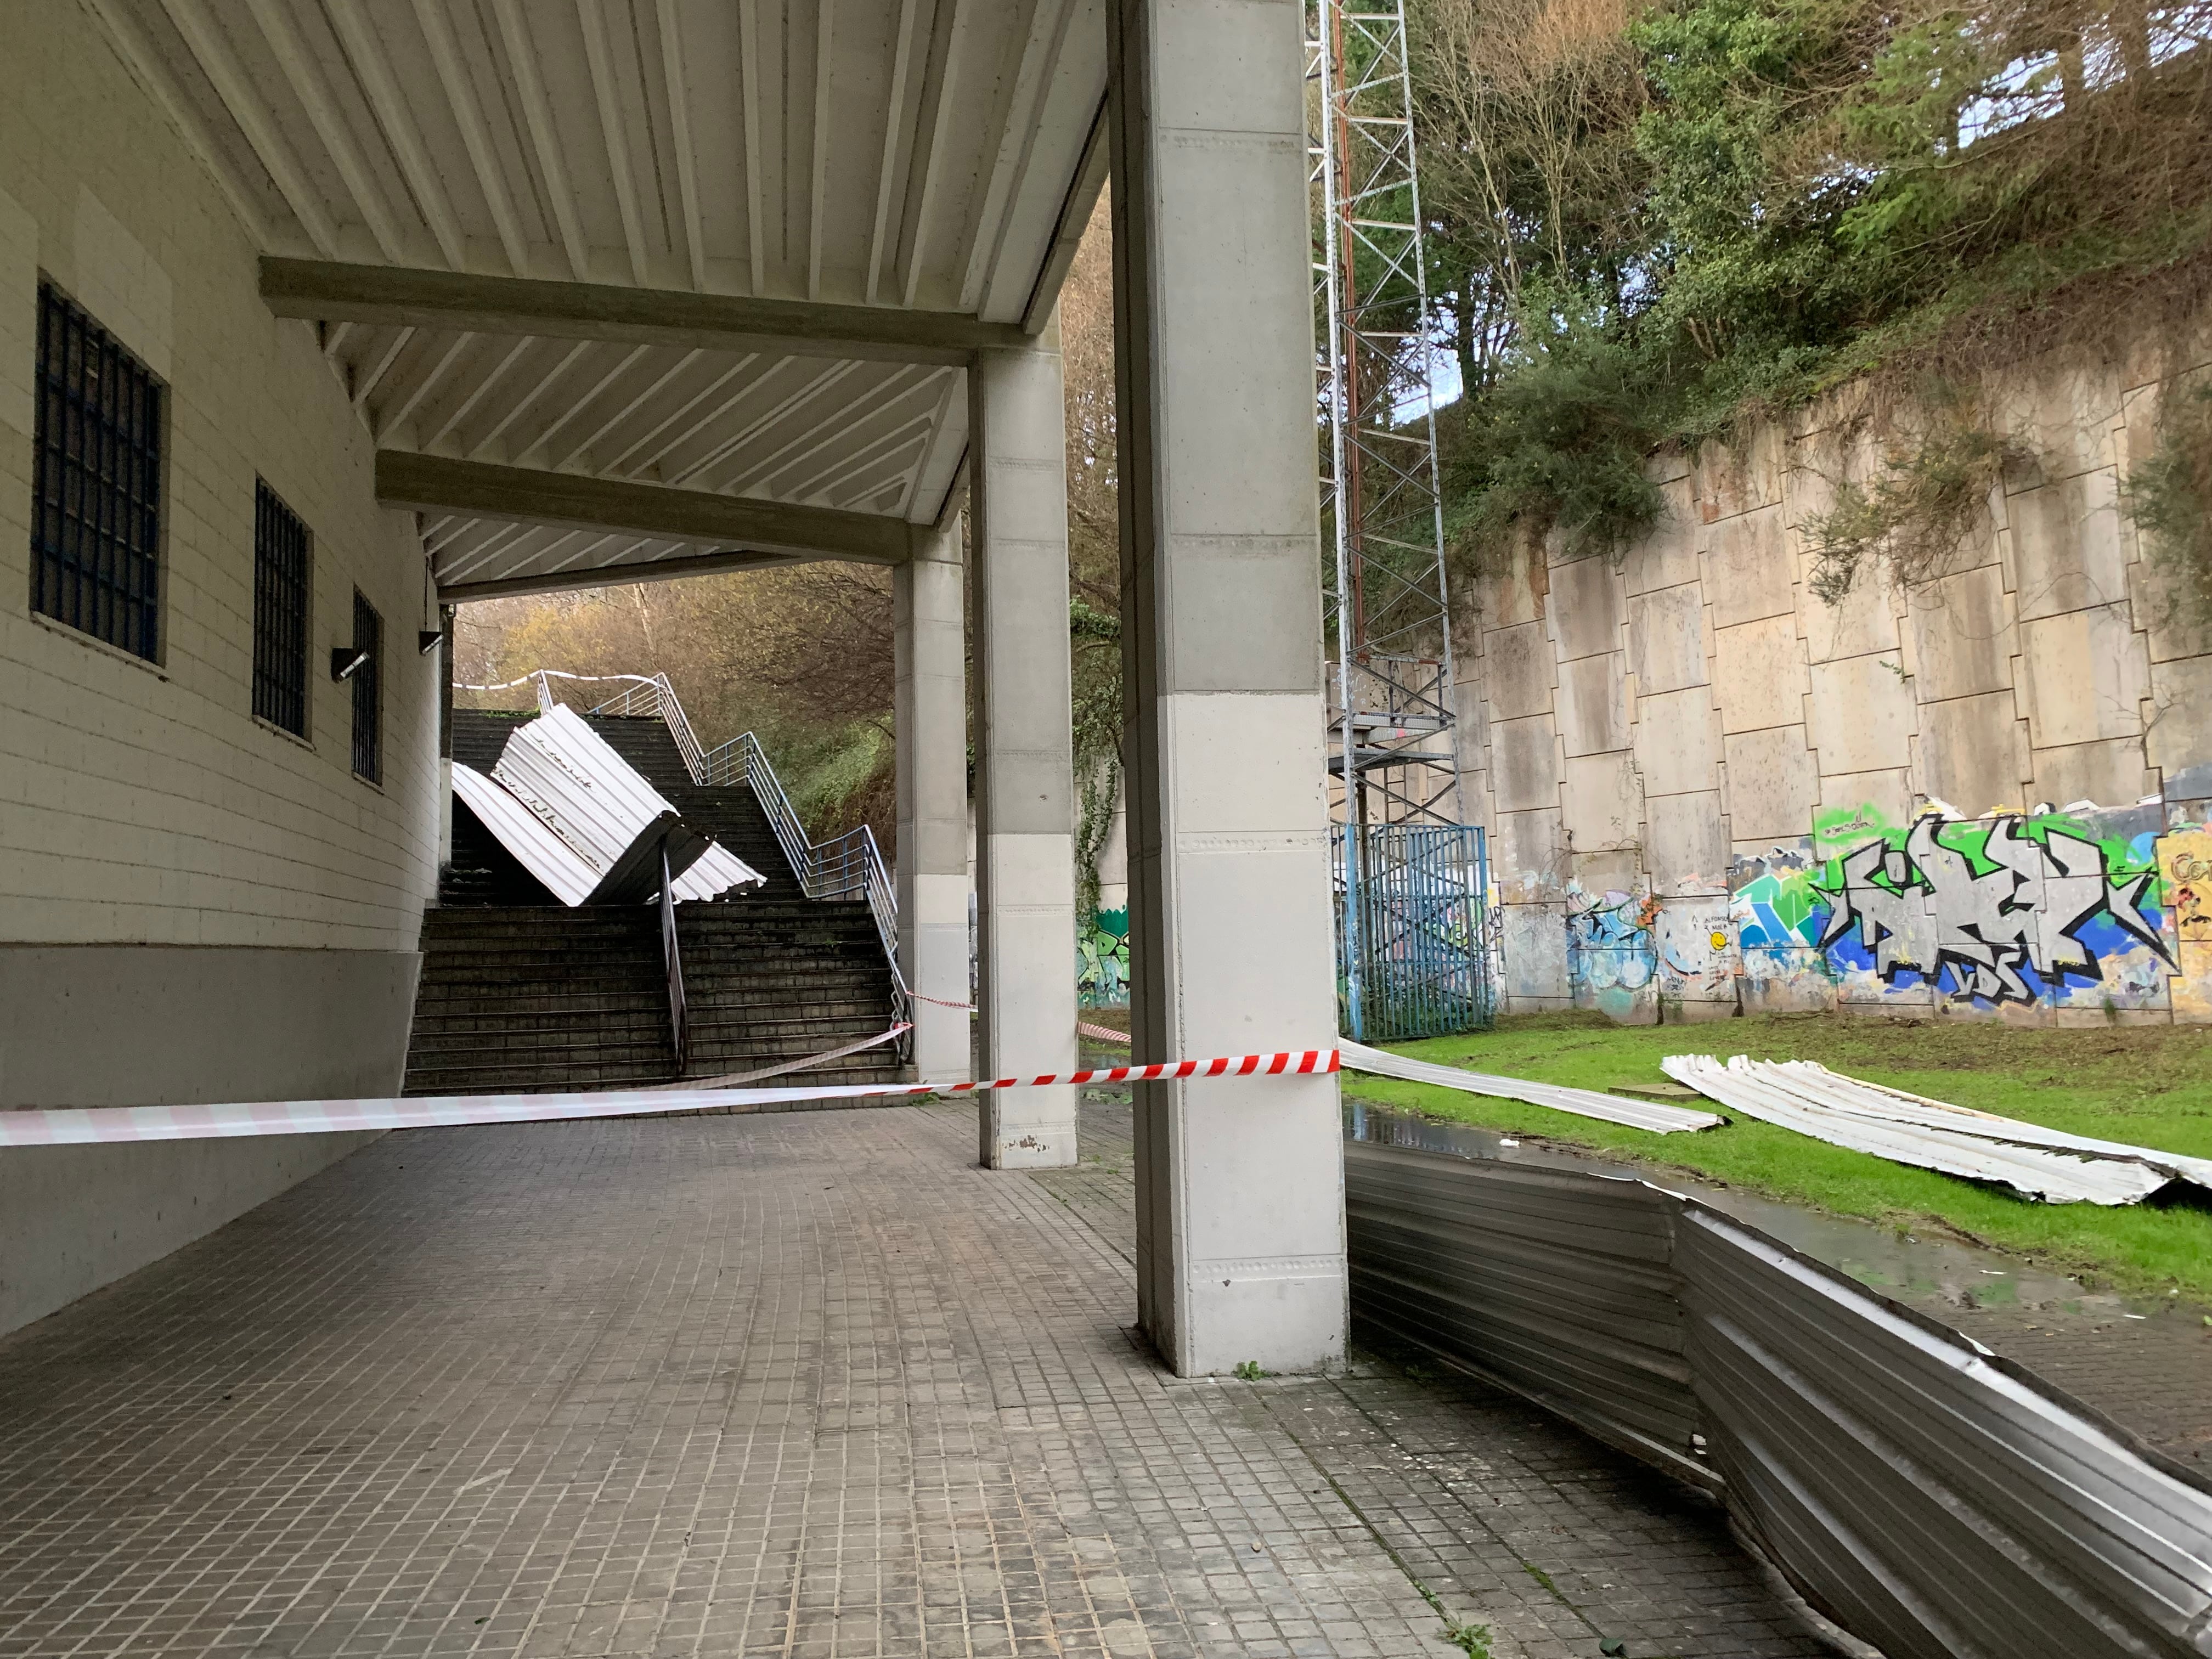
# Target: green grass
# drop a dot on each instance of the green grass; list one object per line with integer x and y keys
{"x": 2151, "y": 1085}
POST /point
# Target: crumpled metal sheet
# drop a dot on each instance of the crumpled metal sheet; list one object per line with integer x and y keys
{"x": 1553, "y": 1284}
{"x": 1764, "y": 1090}
{"x": 1930, "y": 1498}
{"x": 1654, "y": 1116}
{"x": 1851, "y": 1094}
{"x": 583, "y": 822}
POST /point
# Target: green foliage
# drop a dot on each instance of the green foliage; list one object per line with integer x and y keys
{"x": 1915, "y": 513}
{"x": 1559, "y": 444}
{"x": 1471, "y": 1639}
{"x": 1248, "y": 1371}
{"x": 2169, "y": 497}
{"x": 1096, "y": 639}
{"x": 1654, "y": 222}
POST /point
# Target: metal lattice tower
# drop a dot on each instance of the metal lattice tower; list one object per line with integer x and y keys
{"x": 1409, "y": 878}
{"x": 1390, "y": 697}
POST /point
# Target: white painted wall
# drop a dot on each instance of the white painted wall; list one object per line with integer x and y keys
{"x": 193, "y": 905}
{"x": 143, "y": 802}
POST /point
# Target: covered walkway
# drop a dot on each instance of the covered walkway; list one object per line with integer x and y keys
{"x": 807, "y": 1384}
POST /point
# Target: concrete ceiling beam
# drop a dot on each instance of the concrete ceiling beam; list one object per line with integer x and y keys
{"x": 392, "y": 295}
{"x": 618, "y": 576}
{"x": 438, "y": 484}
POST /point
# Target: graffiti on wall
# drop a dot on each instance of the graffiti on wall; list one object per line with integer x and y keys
{"x": 1101, "y": 961}
{"x": 2007, "y": 908}
{"x": 1611, "y": 957}
{"x": 2010, "y": 910}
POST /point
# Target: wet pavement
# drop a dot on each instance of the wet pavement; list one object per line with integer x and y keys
{"x": 2145, "y": 1362}
{"x": 808, "y": 1385}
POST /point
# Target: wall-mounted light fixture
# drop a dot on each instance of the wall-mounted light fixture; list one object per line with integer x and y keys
{"x": 347, "y": 661}
{"x": 428, "y": 640}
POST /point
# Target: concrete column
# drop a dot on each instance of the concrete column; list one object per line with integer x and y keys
{"x": 931, "y": 715}
{"x": 1240, "y": 1181}
{"x": 1024, "y": 778}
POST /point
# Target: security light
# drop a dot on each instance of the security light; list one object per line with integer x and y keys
{"x": 347, "y": 661}
{"x": 428, "y": 640}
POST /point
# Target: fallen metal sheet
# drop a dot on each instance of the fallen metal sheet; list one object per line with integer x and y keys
{"x": 611, "y": 825}
{"x": 1552, "y": 1283}
{"x": 2058, "y": 1177}
{"x": 1582, "y": 1103}
{"x": 1850, "y": 1094}
{"x": 1929, "y": 1496}
{"x": 533, "y": 843}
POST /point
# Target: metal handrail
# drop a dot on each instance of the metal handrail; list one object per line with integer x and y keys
{"x": 841, "y": 867}
{"x": 672, "y": 959}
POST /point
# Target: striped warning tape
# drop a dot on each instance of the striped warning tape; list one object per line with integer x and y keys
{"x": 76, "y": 1126}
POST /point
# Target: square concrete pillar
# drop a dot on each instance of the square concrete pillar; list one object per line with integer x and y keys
{"x": 931, "y": 711}
{"x": 1240, "y": 1181}
{"x": 1025, "y": 770}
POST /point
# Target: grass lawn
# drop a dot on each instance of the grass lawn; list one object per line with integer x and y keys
{"x": 2150, "y": 1085}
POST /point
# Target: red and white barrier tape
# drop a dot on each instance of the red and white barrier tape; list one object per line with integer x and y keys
{"x": 1101, "y": 1034}
{"x": 77, "y": 1125}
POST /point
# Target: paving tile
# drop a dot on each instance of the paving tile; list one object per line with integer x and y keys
{"x": 800, "y": 1385}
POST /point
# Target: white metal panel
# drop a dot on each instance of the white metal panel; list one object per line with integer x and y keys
{"x": 583, "y": 821}
{"x": 567, "y": 875}
{"x": 1854, "y": 1095}
{"x": 1582, "y": 1103}
{"x": 1757, "y": 1090}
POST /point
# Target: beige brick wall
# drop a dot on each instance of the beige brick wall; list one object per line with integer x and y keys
{"x": 1650, "y": 741}
{"x": 143, "y": 802}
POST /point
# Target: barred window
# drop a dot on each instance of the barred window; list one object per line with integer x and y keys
{"x": 283, "y": 572}
{"x": 368, "y": 689}
{"x": 96, "y": 484}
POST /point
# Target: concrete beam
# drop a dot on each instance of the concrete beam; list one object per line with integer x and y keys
{"x": 396, "y": 296}
{"x": 439, "y": 484}
{"x": 1240, "y": 1180}
{"x": 931, "y": 702}
{"x": 1024, "y": 782}
{"x": 620, "y": 576}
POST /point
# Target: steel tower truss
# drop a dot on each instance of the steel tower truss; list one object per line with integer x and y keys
{"x": 1392, "y": 746}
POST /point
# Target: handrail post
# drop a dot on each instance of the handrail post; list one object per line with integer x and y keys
{"x": 672, "y": 957}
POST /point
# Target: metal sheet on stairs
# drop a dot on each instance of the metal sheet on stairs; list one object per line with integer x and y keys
{"x": 582, "y": 820}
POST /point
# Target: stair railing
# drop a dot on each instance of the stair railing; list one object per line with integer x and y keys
{"x": 842, "y": 867}
{"x": 671, "y": 958}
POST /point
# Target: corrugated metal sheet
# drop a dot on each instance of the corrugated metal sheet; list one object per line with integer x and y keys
{"x": 2062, "y": 1178}
{"x": 1849, "y": 1094}
{"x": 1556, "y": 1284}
{"x": 583, "y": 821}
{"x": 1582, "y": 1103}
{"x": 1929, "y": 1496}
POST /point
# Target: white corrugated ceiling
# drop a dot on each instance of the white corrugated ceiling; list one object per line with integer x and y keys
{"x": 909, "y": 154}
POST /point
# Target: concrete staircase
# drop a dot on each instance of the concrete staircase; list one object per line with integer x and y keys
{"x": 519, "y": 993}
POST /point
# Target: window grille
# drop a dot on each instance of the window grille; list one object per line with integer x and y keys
{"x": 96, "y": 485}
{"x": 282, "y": 569}
{"x": 367, "y": 681}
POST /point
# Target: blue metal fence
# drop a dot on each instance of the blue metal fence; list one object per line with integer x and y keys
{"x": 1411, "y": 909}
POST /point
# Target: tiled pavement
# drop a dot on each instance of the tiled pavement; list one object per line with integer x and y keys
{"x": 804, "y": 1385}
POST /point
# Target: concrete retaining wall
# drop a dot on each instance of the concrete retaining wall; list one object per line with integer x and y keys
{"x": 1708, "y": 790}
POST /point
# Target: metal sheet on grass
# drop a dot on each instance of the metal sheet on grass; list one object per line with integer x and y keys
{"x": 1659, "y": 1118}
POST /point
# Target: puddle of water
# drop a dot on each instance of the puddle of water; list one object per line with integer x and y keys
{"x": 1943, "y": 1277}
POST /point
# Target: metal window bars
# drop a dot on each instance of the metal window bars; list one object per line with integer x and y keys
{"x": 844, "y": 867}
{"x": 368, "y": 683}
{"x": 96, "y": 482}
{"x": 282, "y": 564}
